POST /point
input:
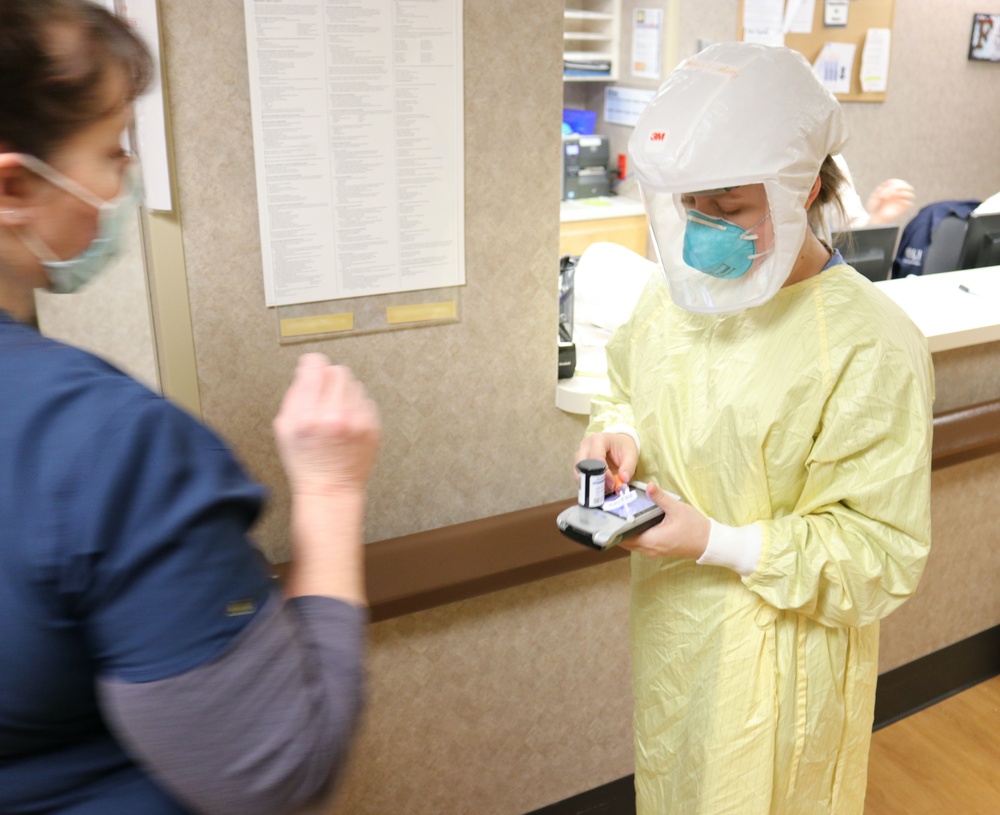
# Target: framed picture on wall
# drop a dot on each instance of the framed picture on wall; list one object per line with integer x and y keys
{"x": 985, "y": 42}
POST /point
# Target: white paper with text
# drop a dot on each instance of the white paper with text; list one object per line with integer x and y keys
{"x": 357, "y": 113}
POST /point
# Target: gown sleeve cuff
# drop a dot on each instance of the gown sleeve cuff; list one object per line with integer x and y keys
{"x": 735, "y": 547}
{"x": 628, "y": 430}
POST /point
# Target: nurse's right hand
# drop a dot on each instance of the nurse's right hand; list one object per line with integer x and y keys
{"x": 617, "y": 450}
{"x": 327, "y": 429}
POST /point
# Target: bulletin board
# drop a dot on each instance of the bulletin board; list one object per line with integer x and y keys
{"x": 863, "y": 14}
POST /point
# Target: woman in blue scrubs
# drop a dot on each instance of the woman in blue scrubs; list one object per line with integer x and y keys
{"x": 148, "y": 663}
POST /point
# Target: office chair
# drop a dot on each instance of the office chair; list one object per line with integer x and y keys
{"x": 932, "y": 241}
{"x": 945, "y": 249}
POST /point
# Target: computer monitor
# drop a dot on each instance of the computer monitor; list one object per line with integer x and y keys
{"x": 981, "y": 246}
{"x": 869, "y": 249}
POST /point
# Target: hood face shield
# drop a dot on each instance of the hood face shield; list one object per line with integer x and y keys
{"x": 771, "y": 255}
{"x": 733, "y": 115}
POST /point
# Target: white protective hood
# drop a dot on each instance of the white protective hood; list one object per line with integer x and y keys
{"x": 734, "y": 114}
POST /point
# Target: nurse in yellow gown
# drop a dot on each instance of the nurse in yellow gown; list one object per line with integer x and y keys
{"x": 788, "y": 402}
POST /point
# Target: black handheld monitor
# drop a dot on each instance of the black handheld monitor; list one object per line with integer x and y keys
{"x": 605, "y": 526}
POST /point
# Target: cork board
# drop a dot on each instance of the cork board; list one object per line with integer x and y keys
{"x": 862, "y": 15}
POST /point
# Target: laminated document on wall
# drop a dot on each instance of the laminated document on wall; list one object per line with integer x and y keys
{"x": 623, "y": 106}
{"x": 875, "y": 60}
{"x": 835, "y": 65}
{"x": 357, "y": 113}
{"x": 836, "y": 13}
{"x": 799, "y": 16}
{"x": 763, "y": 21}
{"x": 647, "y": 42}
{"x": 150, "y": 119}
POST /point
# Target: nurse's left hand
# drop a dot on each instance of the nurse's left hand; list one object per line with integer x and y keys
{"x": 682, "y": 533}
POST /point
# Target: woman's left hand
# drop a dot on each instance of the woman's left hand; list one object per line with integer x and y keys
{"x": 683, "y": 532}
{"x": 890, "y": 200}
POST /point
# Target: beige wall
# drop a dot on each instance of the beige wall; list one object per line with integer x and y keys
{"x": 448, "y": 393}
{"x": 938, "y": 126}
{"x": 507, "y": 702}
{"x": 498, "y": 705}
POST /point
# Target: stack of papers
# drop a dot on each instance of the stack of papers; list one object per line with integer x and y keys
{"x": 583, "y": 64}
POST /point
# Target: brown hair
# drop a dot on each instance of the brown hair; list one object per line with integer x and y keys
{"x": 828, "y": 204}
{"x": 53, "y": 86}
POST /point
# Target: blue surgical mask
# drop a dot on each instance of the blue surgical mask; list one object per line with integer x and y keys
{"x": 67, "y": 276}
{"x": 719, "y": 247}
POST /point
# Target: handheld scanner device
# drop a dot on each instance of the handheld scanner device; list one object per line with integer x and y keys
{"x": 627, "y": 512}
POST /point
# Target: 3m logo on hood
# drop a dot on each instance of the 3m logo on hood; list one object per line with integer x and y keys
{"x": 658, "y": 135}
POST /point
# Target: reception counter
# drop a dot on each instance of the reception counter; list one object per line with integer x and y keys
{"x": 618, "y": 219}
{"x": 953, "y": 310}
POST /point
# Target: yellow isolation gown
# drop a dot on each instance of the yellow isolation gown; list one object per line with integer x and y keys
{"x": 811, "y": 414}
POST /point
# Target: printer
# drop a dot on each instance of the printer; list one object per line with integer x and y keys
{"x": 585, "y": 166}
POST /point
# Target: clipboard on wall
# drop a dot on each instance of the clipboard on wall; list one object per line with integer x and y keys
{"x": 862, "y": 15}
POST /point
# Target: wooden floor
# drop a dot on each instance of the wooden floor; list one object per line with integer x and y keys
{"x": 944, "y": 760}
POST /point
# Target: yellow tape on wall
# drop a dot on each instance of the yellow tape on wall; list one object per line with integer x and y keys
{"x": 320, "y": 324}
{"x": 422, "y": 312}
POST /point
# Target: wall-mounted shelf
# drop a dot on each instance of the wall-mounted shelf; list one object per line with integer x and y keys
{"x": 591, "y": 40}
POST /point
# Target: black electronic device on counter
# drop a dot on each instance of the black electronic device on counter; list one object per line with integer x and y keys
{"x": 586, "y": 160}
{"x": 567, "y": 356}
{"x": 567, "y": 348}
{"x": 981, "y": 246}
{"x": 869, "y": 249}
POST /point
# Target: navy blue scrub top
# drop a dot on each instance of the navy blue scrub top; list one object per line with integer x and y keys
{"x": 123, "y": 553}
